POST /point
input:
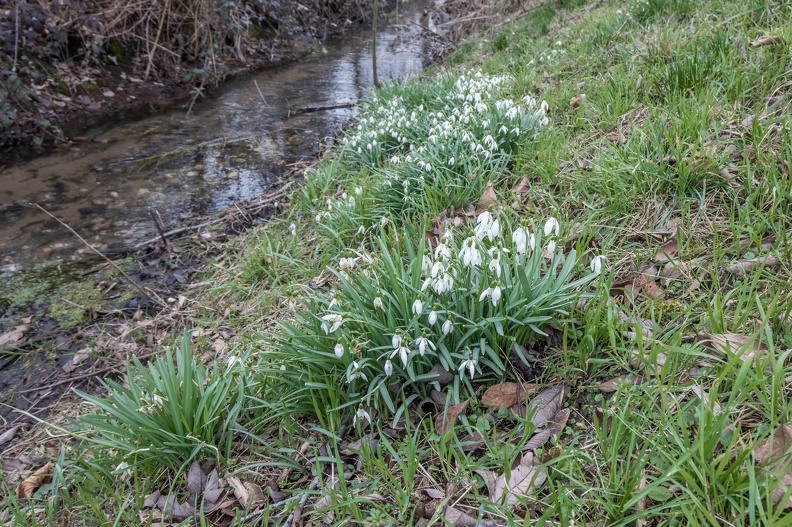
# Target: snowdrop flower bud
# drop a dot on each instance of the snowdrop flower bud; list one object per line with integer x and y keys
{"x": 596, "y": 264}
{"x": 551, "y": 247}
{"x": 378, "y": 303}
{"x": 520, "y": 239}
{"x": 417, "y": 306}
{"x": 358, "y": 190}
{"x": 339, "y": 350}
{"x": 551, "y": 226}
{"x": 432, "y": 317}
{"x": 388, "y": 368}
{"x": 448, "y": 327}
{"x": 293, "y": 229}
{"x": 361, "y": 414}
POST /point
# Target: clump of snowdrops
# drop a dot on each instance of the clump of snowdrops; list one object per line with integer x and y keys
{"x": 392, "y": 321}
{"x": 424, "y": 147}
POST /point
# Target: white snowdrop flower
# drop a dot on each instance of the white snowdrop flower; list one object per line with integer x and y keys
{"x": 346, "y": 264}
{"x": 448, "y": 327}
{"x": 520, "y": 239}
{"x": 503, "y": 130}
{"x": 378, "y": 303}
{"x": 422, "y": 342}
{"x": 293, "y": 229}
{"x": 361, "y": 414}
{"x": 426, "y": 264}
{"x": 403, "y": 352}
{"x": 437, "y": 269}
{"x": 470, "y": 255}
{"x": 470, "y": 365}
{"x": 388, "y": 368}
{"x": 428, "y": 167}
{"x": 512, "y": 112}
{"x": 417, "y": 306}
{"x": 331, "y": 322}
{"x": 396, "y": 340}
{"x": 369, "y": 147}
{"x": 596, "y": 264}
{"x": 123, "y": 470}
{"x": 359, "y": 150}
{"x": 338, "y": 350}
{"x": 354, "y": 372}
{"x": 358, "y": 190}
{"x": 483, "y": 223}
{"x": 551, "y": 225}
{"x": 442, "y": 250}
{"x": 383, "y": 221}
{"x": 283, "y": 367}
{"x": 451, "y": 161}
{"x": 361, "y": 230}
{"x": 496, "y": 294}
{"x": 516, "y": 130}
{"x": 432, "y": 317}
{"x": 551, "y": 247}
{"x": 426, "y": 284}
{"x": 395, "y": 160}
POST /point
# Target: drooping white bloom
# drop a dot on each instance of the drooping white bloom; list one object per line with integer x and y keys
{"x": 494, "y": 292}
{"x": 448, "y": 327}
{"x": 422, "y": 342}
{"x": 432, "y": 317}
{"x": 596, "y": 264}
{"x": 361, "y": 414}
{"x": 483, "y": 223}
{"x": 417, "y": 306}
{"x": 437, "y": 269}
{"x": 396, "y": 340}
{"x": 470, "y": 255}
{"x": 354, "y": 373}
{"x": 551, "y": 225}
{"x": 520, "y": 239}
{"x": 358, "y": 190}
{"x": 470, "y": 364}
{"x": 339, "y": 350}
{"x": 495, "y": 262}
{"x": 331, "y": 322}
{"x": 551, "y": 247}
{"x": 388, "y": 368}
{"x": 402, "y": 351}
{"x": 426, "y": 264}
{"x": 293, "y": 229}
{"x": 346, "y": 264}
{"x": 378, "y": 302}
{"x": 442, "y": 250}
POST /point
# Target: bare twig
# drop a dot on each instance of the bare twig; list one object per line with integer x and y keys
{"x": 148, "y": 294}
{"x": 83, "y": 376}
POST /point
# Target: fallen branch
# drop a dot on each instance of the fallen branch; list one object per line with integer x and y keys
{"x": 254, "y": 207}
{"x": 82, "y": 376}
{"x": 311, "y": 109}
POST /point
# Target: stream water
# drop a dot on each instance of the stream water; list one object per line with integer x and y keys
{"x": 230, "y": 148}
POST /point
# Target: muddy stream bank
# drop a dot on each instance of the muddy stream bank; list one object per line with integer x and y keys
{"x": 241, "y": 144}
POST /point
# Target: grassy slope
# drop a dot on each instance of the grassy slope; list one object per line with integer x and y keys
{"x": 661, "y": 113}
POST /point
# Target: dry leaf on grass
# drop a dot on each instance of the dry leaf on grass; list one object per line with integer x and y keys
{"x": 76, "y": 360}
{"x": 8, "y": 435}
{"x": 458, "y": 518}
{"x": 11, "y": 338}
{"x": 500, "y": 396}
{"x": 488, "y": 198}
{"x": 523, "y": 391}
{"x": 612, "y": 385}
{"x": 489, "y": 478}
{"x": 651, "y": 289}
{"x": 746, "y": 266}
{"x": 554, "y": 427}
{"x": 732, "y": 343}
{"x": 435, "y": 494}
{"x": 521, "y": 482}
{"x": 28, "y": 487}
{"x": 522, "y": 186}
{"x": 667, "y": 251}
{"x": 773, "y": 454}
{"x": 766, "y": 40}
{"x": 248, "y": 493}
{"x": 446, "y": 420}
{"x": 439, "y": 374}
{"x": 547, "y": 405}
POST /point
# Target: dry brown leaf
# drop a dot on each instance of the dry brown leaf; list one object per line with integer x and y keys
{"x": 171, "y": 508}
{"x": 641, "y": 503}
{"x": 501, "y": 395}
{"x": 667, "y": 251}
{"x": 435, "y": 494}
{"x": 523, "y": 479}
{"x": 195, "y": 479}
{"x": 628, "y": 287}
{"x": 488, "y": 199}
{"x": 651, "y": 289}
{"x": 766, "y": 40}
{"x": 523, "y": 391}
{"x": 76, "y": 360}
{"x": 612, "y": 385}
{"x": 489, "y": 478}
{"x": 554, "y": 427}
{"x": 29, "y": 486}
{"x": 746, "y": 266}
{"x": 8, "y": 435}
{"x": 522, "y": 186}
{"x": 773, "y": 453}
{"x": 547, "y": 404}
{"x": 458, "y": 518}
{"x": 446, "y": 420}
{"x": 11, "y": 338}
{"x": 732, "y": 343}
{"x": 248, "y": 493}
{"x": 322, "y": 508}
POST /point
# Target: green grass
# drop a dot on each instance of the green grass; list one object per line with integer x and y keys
{"x": 659, "y": 132}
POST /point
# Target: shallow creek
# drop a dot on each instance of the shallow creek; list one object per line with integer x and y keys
{"x": 229, "y": 148}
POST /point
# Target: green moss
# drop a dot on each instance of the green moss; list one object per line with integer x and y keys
{"x": 74, "y": 304}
